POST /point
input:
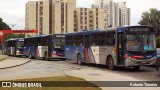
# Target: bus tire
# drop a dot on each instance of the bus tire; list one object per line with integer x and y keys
{"x": 79, "y": 59}
{"x": 111, "y": 63}
{"x": 136, "y": 67}
{"x": 63, "y": 59}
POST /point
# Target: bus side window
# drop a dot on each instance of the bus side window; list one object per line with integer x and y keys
{"x": 111, "y": 38}
{"x": 93, "y": 43}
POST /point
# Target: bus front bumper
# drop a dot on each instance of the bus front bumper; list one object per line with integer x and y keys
{"x": 20, "y": 54}
{"x": 139, "y": 62}
{"x": 58, "y": 57}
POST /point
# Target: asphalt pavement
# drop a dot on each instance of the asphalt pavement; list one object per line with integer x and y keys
{"x": 89, "y": 72}
{"x": 10, "y": 62}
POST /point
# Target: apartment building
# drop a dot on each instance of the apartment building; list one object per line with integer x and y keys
{"x": 62, "y": 16}
{"x": 40, "y": 16}
{"x": 59, "y": 16}
{"x": 110, "y": 11}
{"x": 88, "y": 19}
{"x": 123, "y": 14}
{"x": 116, "y": 14}
{"x": 31, "y": 22}
{"x": 51, "y": 16}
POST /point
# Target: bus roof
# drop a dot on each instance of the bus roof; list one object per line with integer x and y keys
{"x": 84, "y": 31}
{"x": 120, "y": 29}
{"x": 37, "y": 36}
{"x": 14, "y": 39}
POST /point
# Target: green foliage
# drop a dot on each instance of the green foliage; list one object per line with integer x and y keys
{"x": 20, "y": 36}
{"x": 151, "y": 18}
{"x": 3, "y": 25}
{"x": 29, "y": 36}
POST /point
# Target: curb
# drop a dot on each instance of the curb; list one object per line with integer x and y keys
{"x": 16, "y": 65}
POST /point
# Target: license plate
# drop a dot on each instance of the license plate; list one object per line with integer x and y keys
{"x": 143, "y": 62}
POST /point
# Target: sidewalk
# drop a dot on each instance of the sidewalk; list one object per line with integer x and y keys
{"x": 9, "y": 63}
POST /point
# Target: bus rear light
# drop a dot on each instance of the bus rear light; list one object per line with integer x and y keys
{"x": 136, "y": 57}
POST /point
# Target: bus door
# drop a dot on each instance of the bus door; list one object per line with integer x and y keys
{"x": 120, "y": 48}
{"x": 86, "y": 47}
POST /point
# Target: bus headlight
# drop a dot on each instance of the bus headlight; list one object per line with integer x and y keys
{"x": 54, "y": 53}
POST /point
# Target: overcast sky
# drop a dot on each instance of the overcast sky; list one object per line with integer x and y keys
{"x": 13, "y": 11}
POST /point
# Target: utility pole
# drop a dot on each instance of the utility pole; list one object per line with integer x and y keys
{"x": 2, "y": 47}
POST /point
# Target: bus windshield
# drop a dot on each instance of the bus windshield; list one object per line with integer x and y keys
{"x": 59, "y": 43}
{"x": 20, "y": 44}
{"x": 141, "y": 42}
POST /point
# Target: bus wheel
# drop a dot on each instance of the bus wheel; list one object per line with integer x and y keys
{"x": 111, "y": 63}
{"x": 63, "y": 59}
{"x": 136, "y": 67}
{"x": 79, "y": 59}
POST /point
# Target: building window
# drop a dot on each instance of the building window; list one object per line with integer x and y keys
{"x": 81, "y": 13}
{"x": 86, "y": 27}
{"x": 41, "y": 10}
{"x": 81, "y": 18}
{"x": 82, "y": 27}
{"x": 85, "y": 22}
{"x": 41, "y": 3}
{"x": 85, "y": 13}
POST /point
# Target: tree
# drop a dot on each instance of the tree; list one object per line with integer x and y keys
{"x": 3, "y": 25}
{"x": 8, "y": 36}
{"x": 151, "y": 18}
